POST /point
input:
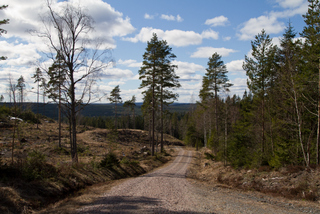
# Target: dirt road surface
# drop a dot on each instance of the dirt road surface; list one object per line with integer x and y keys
{"x": 168, "y": 191}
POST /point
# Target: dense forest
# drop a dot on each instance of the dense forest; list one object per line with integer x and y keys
{"x": 276, "y": 122}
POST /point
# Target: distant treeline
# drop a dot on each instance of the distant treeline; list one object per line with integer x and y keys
{"x": 97, "y": 110}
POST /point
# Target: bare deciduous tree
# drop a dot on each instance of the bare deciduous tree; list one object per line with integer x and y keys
{"x": 67, "y": 32}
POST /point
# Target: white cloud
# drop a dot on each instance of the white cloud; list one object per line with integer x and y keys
{"x": 148, "y": 16}
{"x": 206, "y": 52}
{"x": 255, "y": 25}
{"x": 190, "y": 78}
{"x": 217, "y": 21}
{"x": 210, "y": 34}
{"x": 168, "y": 17}
{"x": 19, "y": 54}
{"x": 187, "y": 67}
{"x": 130, "y": 63}
{"x": 171, "y": 17}
{"x": 175, "y": 37}
{"x": 23, "y": 49}
{"x": 115, "y": 83}
{"x": 239, "y": 86}
{"x": 290, "y": 3}
{"x": 117, "y": 73}
{"x": 235, "y": 67}
{"x": 270, "y": 22}
{"x": 24, "y": 16}
{"x": 227, "y": 38}
{"x": 179, "y": 19}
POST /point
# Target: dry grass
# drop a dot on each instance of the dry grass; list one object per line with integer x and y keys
{"x": 57, "y": 178}
{"x": 292, "y": 182}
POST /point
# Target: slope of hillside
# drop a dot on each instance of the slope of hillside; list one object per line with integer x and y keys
{"x": 43, "y": 173}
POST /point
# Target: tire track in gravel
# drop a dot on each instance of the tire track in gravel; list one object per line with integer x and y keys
{"x": 167, "y": 191}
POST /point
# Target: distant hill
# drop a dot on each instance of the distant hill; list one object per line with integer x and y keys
{"x": 96, "y": 110}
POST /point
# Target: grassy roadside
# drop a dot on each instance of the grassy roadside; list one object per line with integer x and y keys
{"x": 43, "y": 174}
{"x": 291, "y": 182}
{"x": 91, "y": 193}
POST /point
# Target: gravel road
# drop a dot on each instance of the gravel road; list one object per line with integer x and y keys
{"x": 168, "y": 191}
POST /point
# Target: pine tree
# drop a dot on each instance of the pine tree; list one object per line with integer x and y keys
{"x": 20, "y": 87}
{"x": 261, "y": 70}
{"x": 2, "y": 22}
{"x": 214, "y": 81}
{"x": 37, "y": 79}
{"x": 115, "y": 98}
{"x": 57, "y": 86}
{"x": 157, "y": 74}
{"x": 131, "y": 104}
{"x": 168, "y": 80}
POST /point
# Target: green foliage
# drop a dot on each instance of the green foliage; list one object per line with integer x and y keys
{"x": 215, "y": 78}
{"x": 29, "y": 116}
{"x": 125, "y": 161}
{"x": 209, "y": 156}
{"x": 82, "y": 149}
{"x": 61, "y": 150}
{"x": 36, "y": 167}
{"x": 109, "y": 161}
{"x": 275, "y": 162}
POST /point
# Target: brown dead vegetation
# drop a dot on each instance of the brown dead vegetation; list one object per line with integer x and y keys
{"x": 292, "y": 182}
{"x": 43, "y": 172}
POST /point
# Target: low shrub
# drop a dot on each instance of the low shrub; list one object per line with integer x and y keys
{"x": 209, "y": 156}
{"x": 109, "y": 160}
{"x": 36, "y": 167}
{"x": 29, "y": 116}
{"x": 125, "y": 161}
{"x": 61, "y": 150}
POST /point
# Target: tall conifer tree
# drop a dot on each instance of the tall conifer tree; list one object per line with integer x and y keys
{"x": 157, "y": 74}
{"x": 260, "y": 69}
{"x": 311, "y": 32}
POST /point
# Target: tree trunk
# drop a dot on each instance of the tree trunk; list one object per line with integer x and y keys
{"x": 116, "y": 122}
{"x": 216, "y": 109}
{"x": 204, "y": 130}
{"x": 59, "y": 116}
{"x": 73, "y": 140}
{"x": 134, "y": 119}
{"x": 318, "y": 130}
{"x": 161, "y": 116}
{"x": 299, "y": 124}
{"x": 38, "y": 106}
{"x": 153, "y": 101}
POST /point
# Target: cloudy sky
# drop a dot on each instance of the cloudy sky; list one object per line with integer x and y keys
{"x": 194, "y": 30}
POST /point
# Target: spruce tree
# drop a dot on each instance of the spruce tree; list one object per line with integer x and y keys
{"x": 311, "y": 55}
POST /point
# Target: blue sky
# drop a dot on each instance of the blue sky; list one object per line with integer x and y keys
{"x": 194, "y": 30}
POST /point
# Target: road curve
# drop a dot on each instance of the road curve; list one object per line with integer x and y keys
{"x": 167, "y": 191}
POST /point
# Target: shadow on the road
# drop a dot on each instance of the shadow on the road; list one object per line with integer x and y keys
{"x": 127, "y": 205}
{"x": 165, "y": 175}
